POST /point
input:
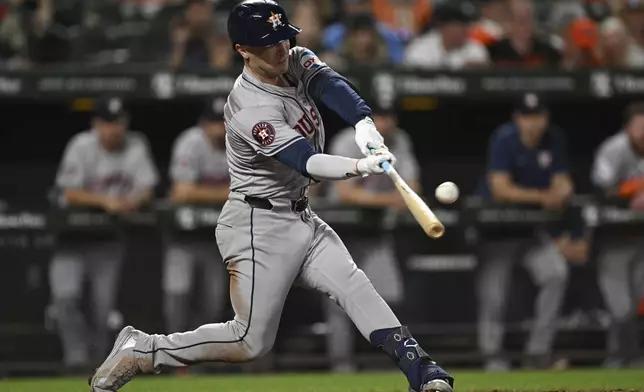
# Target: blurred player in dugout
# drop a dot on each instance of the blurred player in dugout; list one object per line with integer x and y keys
{"x": 375, "y": 254}
{"x": 199, "y": 175}
{"x": 527, "y": 165}
{"x": 107, "y": 168}
{"x": 618, "y": 172}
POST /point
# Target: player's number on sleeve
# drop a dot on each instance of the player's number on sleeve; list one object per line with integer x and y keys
{"x": 307, "y": 127}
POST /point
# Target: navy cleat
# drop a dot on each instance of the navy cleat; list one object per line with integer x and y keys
{"x": 435, "y": 379}
{"x": 423, "y": 374}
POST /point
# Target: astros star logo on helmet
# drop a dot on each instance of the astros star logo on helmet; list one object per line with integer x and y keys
{"x": 276, "y": 20}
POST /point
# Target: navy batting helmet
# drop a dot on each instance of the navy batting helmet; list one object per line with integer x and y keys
{"x": 260, "y": 23}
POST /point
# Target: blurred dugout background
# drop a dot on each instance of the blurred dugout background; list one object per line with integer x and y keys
{"x": 431, "y": 284}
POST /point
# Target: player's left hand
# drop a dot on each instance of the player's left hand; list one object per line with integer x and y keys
{"x": 368, "y": 137}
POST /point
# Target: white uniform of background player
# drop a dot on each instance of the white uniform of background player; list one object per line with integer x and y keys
{"x": 618, "y": 171}
{"x": 111, "y": 169}
{"x": 199, "y": 175}
{"x": 374, "y": 254}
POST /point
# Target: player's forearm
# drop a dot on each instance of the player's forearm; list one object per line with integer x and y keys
{"x": 141, "y": 198}
{"x": 358, "y": 196}
{"x": 83, "y": 198}
{"x": 176, "y": 58}
{"x": 323, "y": 167}
{"x": 563, "y": 184}
{"x": 201, "y": 194}
{"x": 515, "y": 194}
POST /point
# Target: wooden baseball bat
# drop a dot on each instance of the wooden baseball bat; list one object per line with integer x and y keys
{"x": 432, "y": 226}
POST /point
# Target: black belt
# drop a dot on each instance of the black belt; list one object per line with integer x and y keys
{"x": 298, "y": 205}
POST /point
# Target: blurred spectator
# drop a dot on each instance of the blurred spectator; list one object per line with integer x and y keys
{"x": 406, "y": 17}
{"x": 336, "y": 34}
{"x": 307, "y": 13}
{"x": 618, "y": 172}
{"x": 195, "y": 40}
{"x": 448, "y": 46}
{"x": 108, "y": 168}
{"x": 374, "y": 255}
{"x": 13, "y": 34}
{"x": 490, "y": 28}
{"x": 363, "y": 46}
{"x": 581, "y": 45}
{"x": 31, "y": 33}
{"x": 597, "y": 10}
{"x": 116, "y": 32}
{"x": 618, "y": 48}
{"x": 562, "y": 12}
{"x": 526, "y": 166}
{"x": 632, "y": 13}
{"x": 522, "y": 47}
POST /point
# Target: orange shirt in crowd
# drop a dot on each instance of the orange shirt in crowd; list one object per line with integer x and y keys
{"x": 584, "y": 34}
{"x": 408, "y": 15}
{"x": 486, "y": 32}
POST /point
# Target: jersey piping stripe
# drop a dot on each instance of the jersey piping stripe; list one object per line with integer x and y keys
{"x": 281, "y": 147}
{"x": 250, "y": 311}
{"x": 315, "y": 73}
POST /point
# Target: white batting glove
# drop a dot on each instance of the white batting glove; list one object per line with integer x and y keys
{"x": 368, "y": 137}
{"x": 371, "y": 164}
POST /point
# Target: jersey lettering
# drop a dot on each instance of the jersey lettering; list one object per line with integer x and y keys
{"x": 315, "y": 117}
{"x": 306, "y": 127}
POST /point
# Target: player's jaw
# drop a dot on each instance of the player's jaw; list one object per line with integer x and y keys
{"x": 268, "y": 63}
{"x": 532, "y": 127}
{"x": 111, "y": 134}
{"x": 636, "y": 133}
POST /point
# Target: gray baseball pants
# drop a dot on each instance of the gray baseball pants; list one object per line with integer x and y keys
{"x": 266, "y": 251}
{"x": 376, "y": 257}
{"x": 185, "y": 263}
{"x": 100, "y": 264}
{"x": 549, "y": 270}
{"x": 621, "y": 280}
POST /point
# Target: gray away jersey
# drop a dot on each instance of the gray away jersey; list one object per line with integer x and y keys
{"x": 262, "y": 120}
{"x": 87, "y": 165}
{"x": 406, "y": 164}
{"x": 616, "y": 161}
{"x": 196, "y": 160}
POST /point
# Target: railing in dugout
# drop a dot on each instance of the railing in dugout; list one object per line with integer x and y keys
{"x": 378, "y": 84}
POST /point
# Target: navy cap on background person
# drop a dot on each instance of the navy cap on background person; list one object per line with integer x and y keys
{"x": 110, "y": 109}
{"x": 214, "y": 109}
{"x": 530, "y": 103}
{"x": 455, "y": 11}
{"x": 384, "y": 109}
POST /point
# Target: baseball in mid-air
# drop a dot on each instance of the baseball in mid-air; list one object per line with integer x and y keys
{"x": 447, "y": 193}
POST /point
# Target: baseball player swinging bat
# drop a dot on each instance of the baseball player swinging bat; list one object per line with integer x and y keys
{"x": 267, "y": 234}
{"x": 432, "y": 226}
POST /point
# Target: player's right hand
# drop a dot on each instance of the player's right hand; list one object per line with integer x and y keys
{"x": 367, "y": 136}
{"x": 372, "y": 163}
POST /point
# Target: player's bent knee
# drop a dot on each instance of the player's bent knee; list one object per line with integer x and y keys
{"x": 251, "y": 344}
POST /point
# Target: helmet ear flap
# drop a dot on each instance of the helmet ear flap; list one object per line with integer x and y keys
{"x": 293, "y": 42}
